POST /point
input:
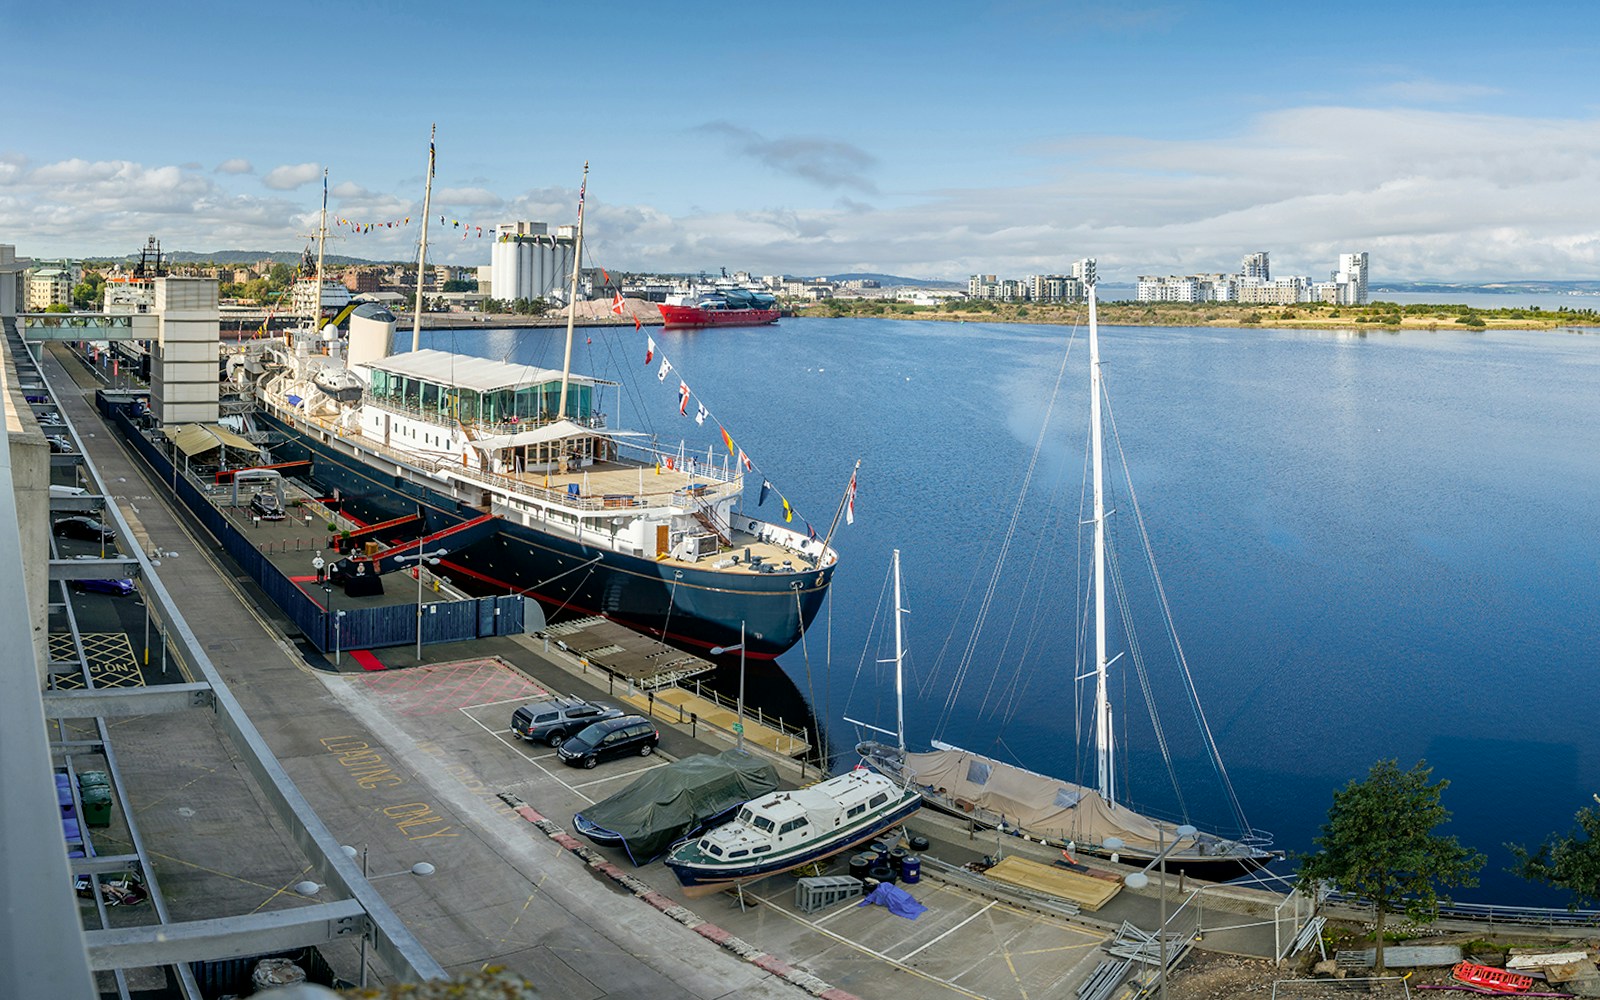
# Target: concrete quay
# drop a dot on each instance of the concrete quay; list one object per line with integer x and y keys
{"x": 415, "y": 763}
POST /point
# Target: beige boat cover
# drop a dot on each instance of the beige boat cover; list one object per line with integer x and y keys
{"x": 1038, "y": 804}
{"x": 197, "y": 439}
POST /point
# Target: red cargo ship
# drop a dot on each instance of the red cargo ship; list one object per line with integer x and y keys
{"x": 723, "y": 307}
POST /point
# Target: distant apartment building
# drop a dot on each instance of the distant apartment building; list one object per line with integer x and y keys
{"x": 360, "y": 279}
{"x": 1277, "y": 292}
{"x": 1033, "y": 288}
{"x": 49, "y": 286}
{"x": 1254, "y": 285}
{"x": 1351, "y": 279}
{"x": 1256, "y": 266}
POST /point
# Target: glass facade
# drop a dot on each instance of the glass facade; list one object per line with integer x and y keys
{"x": 536, "y": 403}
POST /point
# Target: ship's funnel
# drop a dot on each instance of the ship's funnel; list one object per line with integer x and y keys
{"x": 371, "y": 327}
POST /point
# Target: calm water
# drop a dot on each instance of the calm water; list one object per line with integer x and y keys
{"x": 1374, "y": 546}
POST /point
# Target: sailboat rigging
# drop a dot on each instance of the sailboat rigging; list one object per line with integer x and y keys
{"x": 1092, "y": 819}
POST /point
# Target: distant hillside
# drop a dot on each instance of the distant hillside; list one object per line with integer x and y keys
{"x": 249, "y": 257}
{"x": 1585, "y": 287}
{"x": 887, "y": 280}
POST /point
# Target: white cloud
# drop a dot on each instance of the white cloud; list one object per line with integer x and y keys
{"x": 237, "y": 165}
{"x": 289, "y": 177}
{"x": 468, "y": 197}
{"x": 1430, "y": 193}
{"x": 1421, "y": 90}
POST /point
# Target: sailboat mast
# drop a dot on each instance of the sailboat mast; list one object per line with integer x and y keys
{"x": 422, "y": 252}
{"x": 1104, "y": 749}
{"x": 899, "y": 657}
{"x": 572, "y": 299}
{"x": 322, "y": 243}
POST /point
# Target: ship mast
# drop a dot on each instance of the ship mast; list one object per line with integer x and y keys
{"x": 572, "y": 299}
{"x": 899, "y": 657}
{"x": 1104, "y": 750}
{"x": 422, "y": 252}
{"x": 322, "y": 244}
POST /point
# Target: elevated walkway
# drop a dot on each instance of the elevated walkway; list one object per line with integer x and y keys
{"x": 86, "y": 326}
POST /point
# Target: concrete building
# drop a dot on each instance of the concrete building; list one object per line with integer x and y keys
{"x": 983, "y": 286}
{"x": 1168, "y": 288}
{"x": 360, "y": 279}
{"x": 485, "y": 275}
{"x": 13, "y": 280}
{"x": 1256, "y": 265}
{"x": 1352, "y": 279}
{"x": 527, "y": 262}
{"x": 49, "y": 286}
{"x": 1280, "y": 292}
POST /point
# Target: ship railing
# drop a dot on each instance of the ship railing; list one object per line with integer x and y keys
{"x": 443, "y": 418}
{"x": 682, "y": 499}
{"x": 655, "y": 456}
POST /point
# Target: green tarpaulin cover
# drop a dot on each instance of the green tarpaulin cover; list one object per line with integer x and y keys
{"x": 674, "y": 800}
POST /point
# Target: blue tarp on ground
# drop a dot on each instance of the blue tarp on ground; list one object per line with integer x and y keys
{"x": 895, "y": 899}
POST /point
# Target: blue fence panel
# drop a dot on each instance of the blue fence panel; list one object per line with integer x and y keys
{"x": 341, "y": 628}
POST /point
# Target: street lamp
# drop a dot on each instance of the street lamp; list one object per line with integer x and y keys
{"x": 327, "y": 611}
{"x": 1140, "y": 879}
{"x": 738, "y": 726}
{"x": 432, "y": 559}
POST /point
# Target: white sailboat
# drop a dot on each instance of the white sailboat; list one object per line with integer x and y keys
{"x": 1091, "y": 819}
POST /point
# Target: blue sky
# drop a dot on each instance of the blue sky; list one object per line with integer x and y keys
{"x": 925, "y": 139}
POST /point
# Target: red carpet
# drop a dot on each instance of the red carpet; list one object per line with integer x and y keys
{"x": 366, "y": 659}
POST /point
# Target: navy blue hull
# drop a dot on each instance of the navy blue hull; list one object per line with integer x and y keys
{"x": 681, "y": 604}
{"x": 707, "y": 878}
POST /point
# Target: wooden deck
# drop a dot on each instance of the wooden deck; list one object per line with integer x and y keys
{"x": 1088, "y": 892}
{"x": 644, "y": 662}
{"x": 610, "y": 479}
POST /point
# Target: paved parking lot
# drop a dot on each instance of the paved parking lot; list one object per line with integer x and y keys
{"x": 448, "y": 724}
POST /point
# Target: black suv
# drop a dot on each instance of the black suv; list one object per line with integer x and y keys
{"x": 86, "y": 528}
{"x": 631, "y": 734}
{"x": 553, "y": 722}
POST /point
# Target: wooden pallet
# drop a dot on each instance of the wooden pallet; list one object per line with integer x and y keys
{"x": 1089, "y": 893}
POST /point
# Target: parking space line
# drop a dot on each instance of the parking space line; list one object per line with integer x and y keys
{"x": 909, "y": 955}
{"x": 503, "y": 701}
{"x": 535, "y": 762}
{"x": 880, "y": 956}
{"x": 624, "y": 774}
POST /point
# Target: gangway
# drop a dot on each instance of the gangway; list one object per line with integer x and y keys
{"x": 393, "y": 525}
{"x": 457, "y": 536}
{"x": 224, "y": 476}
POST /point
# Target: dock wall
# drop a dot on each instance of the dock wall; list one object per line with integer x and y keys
{"x": 347, "y": 628}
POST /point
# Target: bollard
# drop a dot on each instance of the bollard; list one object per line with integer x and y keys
{"x": 611, "y": 684}
{"x": 680, "y": 713}
{"x": 650, "y": 704}
{"x": 694, "y": 724}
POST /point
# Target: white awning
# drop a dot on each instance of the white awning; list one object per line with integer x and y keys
{"x": 558, "y": 431}
{"x": 477, "y": 374}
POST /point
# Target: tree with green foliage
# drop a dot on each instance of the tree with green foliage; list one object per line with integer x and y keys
{"x": 58, "y": 307}
{"x": 1571, "y": 863}
{"x": 88, "y": 294}
{"x": 1379, "y": 845}
{"x": 279, "y": 275}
